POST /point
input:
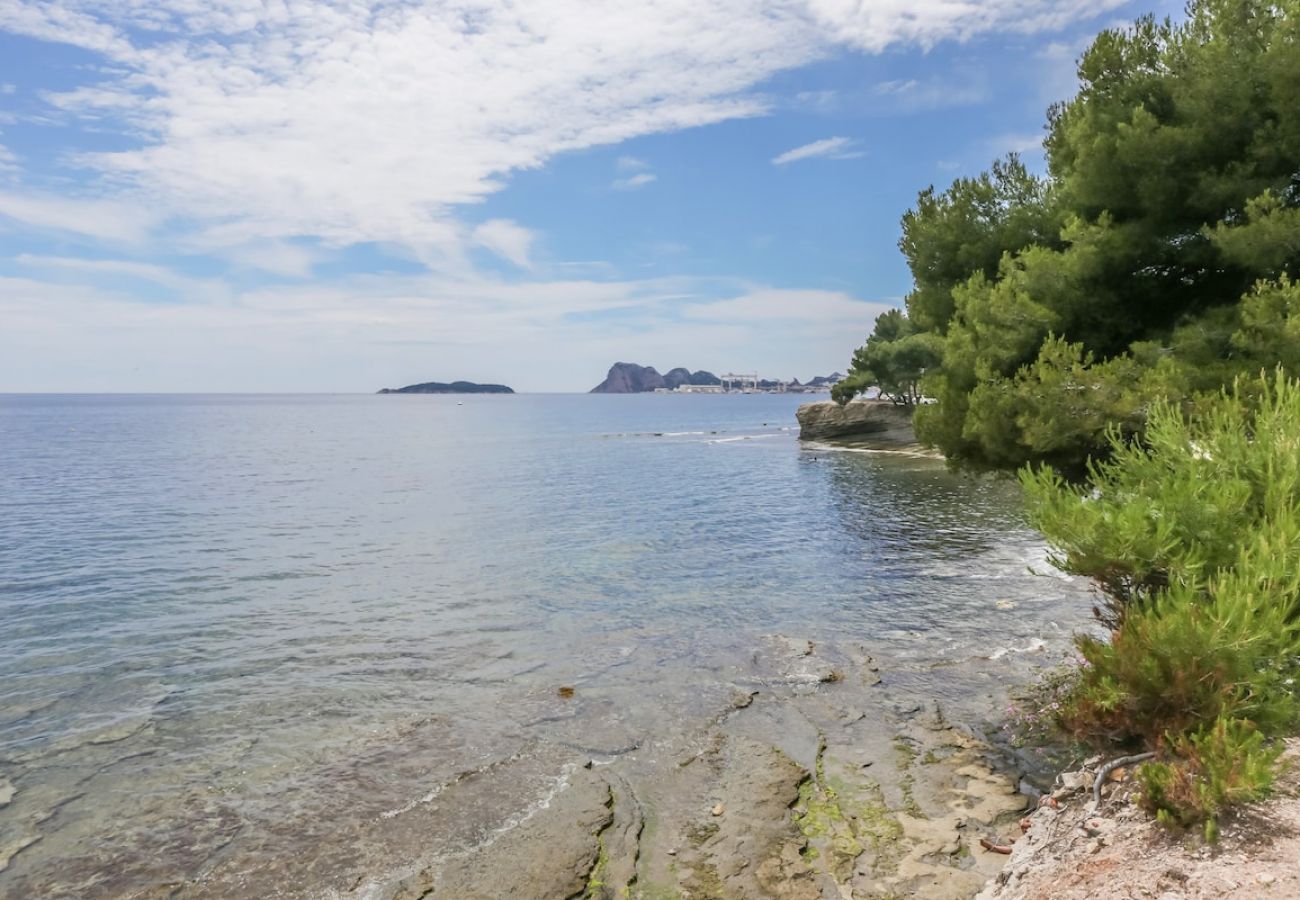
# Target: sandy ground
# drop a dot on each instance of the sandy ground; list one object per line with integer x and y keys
{"x": 1069, "y": 853}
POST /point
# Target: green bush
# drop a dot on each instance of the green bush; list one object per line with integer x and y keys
{"x": 1212, "y": 769}
{"x": 1185, "y": 660}
{"x": 1193, "y": 537}
{"x": 1202, "y": 494}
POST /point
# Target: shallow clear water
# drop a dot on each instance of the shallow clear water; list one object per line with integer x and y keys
{"x": 228, "y": 618}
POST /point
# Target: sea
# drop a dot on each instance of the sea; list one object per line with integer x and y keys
{"x": 237, "y": 627}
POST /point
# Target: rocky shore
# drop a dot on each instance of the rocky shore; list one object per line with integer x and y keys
{"x": 816, "y": 780}
{"x": 859, "y": 424}
{"x": 1073, "y": 850}
{"x": 814, "y": 784}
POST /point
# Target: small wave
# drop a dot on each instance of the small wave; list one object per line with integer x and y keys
{"x": 1036, "y": 645}
{"x": 743, "y": 437}
{"x": 410, "y": 805}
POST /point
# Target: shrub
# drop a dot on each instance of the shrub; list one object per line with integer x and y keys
{"x": 1184, "y": 504}
{"x": 1193, "y": 537}
{"x": 1187, "y": 658}
{"x": 1212, "y": 769}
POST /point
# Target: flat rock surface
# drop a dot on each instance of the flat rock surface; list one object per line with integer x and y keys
{"x": 810, "y": 780}
{"x": 862, "y": 424}
{"x": 807, "y": 786}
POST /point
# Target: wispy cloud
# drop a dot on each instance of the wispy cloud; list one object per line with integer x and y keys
{"x": 1016, "y": 143}
{"x": 827, "y": 148}
{"x": 281, "y": 120}
{"x": 631, "y": 183}
{"x": 102, "y": 219}
{"x": 363, "y": 332}
{"x": 509, "y": 240}
{"x": 912, "y": 95}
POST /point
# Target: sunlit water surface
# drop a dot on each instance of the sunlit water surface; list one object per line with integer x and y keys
{"x": 225, "y": 614}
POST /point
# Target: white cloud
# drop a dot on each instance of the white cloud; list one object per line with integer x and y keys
{"x": 369, "y": 121}
{"x": 641, "y": 179}
{"x": 631, "y": 164}
{"x": 363, "y": 332}
{"x": 103, "y": 219}
{"x": 876, "y": 25}
{"x": 507, "y": 239}
{"x": 1016, "y": 143}
{"x": 896, "y": 87}
{"x": 827, "y": 148}
{"x": 277, "y": 257}
{"x": 913, "y": 96}
{"x": 823, "y": 101}
{"x": 129, "y": 268}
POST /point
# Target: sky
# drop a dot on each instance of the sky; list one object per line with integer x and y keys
{"x": 343, "y": 195}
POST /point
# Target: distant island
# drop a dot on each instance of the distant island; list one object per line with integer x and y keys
{"x": 630, "y": 378}
{"x": 455, "y": 387}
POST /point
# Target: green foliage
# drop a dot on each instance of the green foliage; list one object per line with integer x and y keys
{"x": 1198, "y": 498}
{"x": 1187, "y": 658}
{"x": 967, "y": 229}
{"x": 1153, "y": 261}
{"x": 1193, "y": 537}
{"x": 1219, "y": 766}
{"x": 894, "y": 358}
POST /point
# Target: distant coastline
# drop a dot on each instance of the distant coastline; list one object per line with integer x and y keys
{"x": 454, "y": 387}
{"x": 631, "y": 378}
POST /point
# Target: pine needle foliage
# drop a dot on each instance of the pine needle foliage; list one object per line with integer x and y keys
{"x": 1157, "y": 256}
{"x": 1193, "y": 537}
{"x": 1211, "y": 770}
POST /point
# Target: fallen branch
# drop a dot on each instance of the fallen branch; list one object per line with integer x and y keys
{"x": 995, "y": 848}
{"x": 1111, "y": 766}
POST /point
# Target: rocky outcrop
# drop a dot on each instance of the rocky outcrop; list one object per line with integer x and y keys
{"x": 675, "y": 378}
{"x": 868, "y": 424}
{"x": 455, "y": 387}
{"x": 630, "y": 378}
{"x": 826, "y": 380}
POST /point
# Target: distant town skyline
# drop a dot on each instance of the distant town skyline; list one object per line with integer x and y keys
{"x": 327, "y": 196}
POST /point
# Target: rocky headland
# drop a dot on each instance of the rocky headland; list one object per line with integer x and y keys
{"x": 631, "y": 378}
{"x": 454, "y": 387}
{"x": 859, "y": 424}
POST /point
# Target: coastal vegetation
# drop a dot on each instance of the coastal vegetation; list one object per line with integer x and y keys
{"x": 1193, "y": 538}
{"x": 1125, "y": 331}
{"x": 1152, "y": 260}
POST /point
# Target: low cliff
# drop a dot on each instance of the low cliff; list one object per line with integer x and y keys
{"x": 868, "y": 424}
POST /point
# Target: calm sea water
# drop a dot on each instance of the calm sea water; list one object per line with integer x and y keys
{"x": 228, "y": 618}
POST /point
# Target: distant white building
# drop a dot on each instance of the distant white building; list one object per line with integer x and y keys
{"x": 699, "y": 389}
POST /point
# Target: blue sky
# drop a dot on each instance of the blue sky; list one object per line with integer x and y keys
{"x": 288, "y": 195}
